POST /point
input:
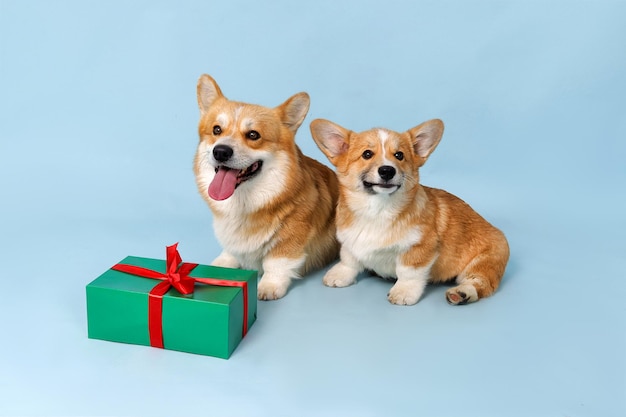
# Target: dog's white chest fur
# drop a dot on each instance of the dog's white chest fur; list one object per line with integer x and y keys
{"x": 247, "y": 244}
{"x": 374, "y": 241}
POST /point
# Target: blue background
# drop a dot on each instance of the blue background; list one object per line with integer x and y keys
{"x": 98, "y": 123}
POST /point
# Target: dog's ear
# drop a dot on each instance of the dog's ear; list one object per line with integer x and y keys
{"x": 426, "y": 137}
{"x": 332, "y": 139}
{"x": 208, "y": 92}
{"x": 294, "y": 110}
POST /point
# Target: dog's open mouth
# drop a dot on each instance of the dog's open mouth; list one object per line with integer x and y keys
{"x": 251, "y": 171}
{"x": 227, "y": 179}
{"x": 384, "y": 188}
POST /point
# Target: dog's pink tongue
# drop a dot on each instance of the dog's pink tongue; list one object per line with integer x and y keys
{"x": 223, "y": 185}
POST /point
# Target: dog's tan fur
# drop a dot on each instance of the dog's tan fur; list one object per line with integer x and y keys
{"x": 401, "y": 229}
{"x": 281, "y": 221}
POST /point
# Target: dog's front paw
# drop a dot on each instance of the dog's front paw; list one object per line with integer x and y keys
{"x": 340, "y": 276}
{"x": 405, "y": 293}
{"x": 226, "y": 260}
{"x": 272, "y": 289}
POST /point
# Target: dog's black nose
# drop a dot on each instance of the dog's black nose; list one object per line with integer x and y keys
{"x": 386, "y": 172}
{"x": 222, "y": 153}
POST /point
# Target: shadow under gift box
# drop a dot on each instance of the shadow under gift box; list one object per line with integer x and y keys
{"x": 208, "y": 322}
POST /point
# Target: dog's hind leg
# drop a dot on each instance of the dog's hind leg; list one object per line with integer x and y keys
{"x": 480, "y": 278}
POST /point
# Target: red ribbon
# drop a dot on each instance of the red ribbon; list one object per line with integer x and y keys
{"x": 177, "y": 276}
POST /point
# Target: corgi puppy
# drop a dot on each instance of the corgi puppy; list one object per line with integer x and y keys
{"x": 273, "y": 207}
{"x": 390, "y": 224}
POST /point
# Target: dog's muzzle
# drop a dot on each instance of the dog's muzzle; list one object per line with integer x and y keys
{"x": 385, "y": 186}
{"x": 227, "y": 178}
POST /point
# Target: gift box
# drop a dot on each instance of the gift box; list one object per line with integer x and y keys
{"x": 172, "y": 305}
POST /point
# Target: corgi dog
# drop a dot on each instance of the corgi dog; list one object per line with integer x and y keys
{"x": 273, "y": 207}
{"x": 391, "y": 225}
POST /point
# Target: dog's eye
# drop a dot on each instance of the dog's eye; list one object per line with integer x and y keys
{"x": 399, "y": 156}
{"x": 367, "y": 154}
{"x": 253, "y": 135}
{"x": 217, "y": 130}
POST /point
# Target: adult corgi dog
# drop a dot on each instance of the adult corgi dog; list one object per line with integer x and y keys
{"x": 390, "y": 224}
{"x": 273, "y": 207}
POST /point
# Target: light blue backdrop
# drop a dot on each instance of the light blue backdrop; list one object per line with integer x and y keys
{"x": 97, "y": 133}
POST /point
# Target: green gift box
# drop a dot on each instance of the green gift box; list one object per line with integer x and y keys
{"x": 216, "y": 308}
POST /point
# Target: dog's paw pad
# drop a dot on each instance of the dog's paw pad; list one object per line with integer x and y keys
{"x": 269, "y": 290}
{"x": 457, "y": 296}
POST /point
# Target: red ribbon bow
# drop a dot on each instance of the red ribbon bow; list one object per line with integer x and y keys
{"x": 177, "y": 276}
